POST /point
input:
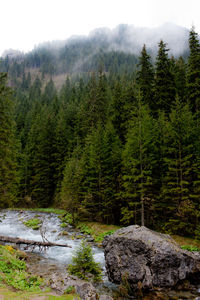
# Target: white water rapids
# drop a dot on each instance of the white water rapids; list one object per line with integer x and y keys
{"x": 11, "y": 224}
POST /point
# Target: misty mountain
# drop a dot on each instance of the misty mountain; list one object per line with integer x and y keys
{"x": 116, "y": 50}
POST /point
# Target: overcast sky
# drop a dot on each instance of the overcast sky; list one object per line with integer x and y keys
{"x": 25, "y": 23}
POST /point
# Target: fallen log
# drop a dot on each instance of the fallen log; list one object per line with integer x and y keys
{"x": 19, "y": 241}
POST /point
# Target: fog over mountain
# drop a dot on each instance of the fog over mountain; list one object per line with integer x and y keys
{"x": 128, "y": 38}
{"x": 117, "y": 50}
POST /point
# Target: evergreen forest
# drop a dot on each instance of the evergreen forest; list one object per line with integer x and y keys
{"x": 118, "y": 142}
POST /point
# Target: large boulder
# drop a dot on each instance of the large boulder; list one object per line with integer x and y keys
{"x": 147, "y": 259}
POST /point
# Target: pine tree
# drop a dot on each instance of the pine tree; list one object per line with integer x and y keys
{"x": 193, "y": 72}
{"x": 180, "y": 79}
{"x": 8, "y": 146}
{"x": 139, "y": 160}
{"x": 164, "y": 80}
{"x": 71, "y": 187}
{"x": 40, "y": 159}
{"x": 176, "y": 200}
{"x": 145, "y": 78}
{"x": 119, "y": 116}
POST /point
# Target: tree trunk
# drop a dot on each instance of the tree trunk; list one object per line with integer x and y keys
{"x": 19, "y": 241}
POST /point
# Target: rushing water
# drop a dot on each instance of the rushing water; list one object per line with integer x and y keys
{"x": 12, "y": 225}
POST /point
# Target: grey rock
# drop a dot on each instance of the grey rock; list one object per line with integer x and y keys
{"x": 105, "y": 297}
{"x": 147, "y": 258}
{"x": 86, "y": 291}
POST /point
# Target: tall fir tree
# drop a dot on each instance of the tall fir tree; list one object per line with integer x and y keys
{"x": 193, "y": 72}
{"x": 176, "y": 195}
{"x": 164, "y": 80}
{"x": 139, "y": 161}
{"x": 8, "y": 146}
{"x": 145, "y": 78}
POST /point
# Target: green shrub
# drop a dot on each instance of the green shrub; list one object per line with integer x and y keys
{"x": 70, "y": 290}
{"x": 190, "y": 248}
{"x": 85, "y": 229}
{"x": 66, "y": 219}
{"x": 33, "y": 223}
{"x": 84, "y": 264}
{"x": 100, "y": 237}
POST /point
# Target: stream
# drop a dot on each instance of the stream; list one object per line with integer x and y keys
{"x": 56, "y": 259}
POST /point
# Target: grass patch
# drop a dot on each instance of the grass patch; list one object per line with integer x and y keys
{"x": 45, "y": 210}
{"x": 10, "y": 295}
{"x": 13, "y": 271}
{"x": 34, "y": 223}
{"x": 185, "y": 241}
{"x": 66, "y": 220}
{"x": 97, "y": 230}
{"x": 190, "y": 248}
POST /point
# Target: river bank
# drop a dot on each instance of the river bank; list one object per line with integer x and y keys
{"x": 55, "y": 261}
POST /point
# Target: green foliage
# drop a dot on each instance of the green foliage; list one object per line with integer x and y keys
{"x": 190, "y": 248}
{"x": 33, "y": 223}
{"x": 8, "y": 146}
{"x": 70, "y": 290}
{"x": 12, "y": 271}
{"x": 84, "y": 264}
{"x": 164, "y": 80}
{"x": 145, "y": 78}
{"x": 45, "y": 210}
{"x": 139, "y": 161}
{"x": 193, "y": 73}
{"x": 84, "y": 228}
{"x": 67, "y": 219}
{"x": 115, "y": 146}
{"x": 99, "y": 238}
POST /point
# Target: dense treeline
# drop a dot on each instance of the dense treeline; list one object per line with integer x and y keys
{"x": 71, "y": 59}
{"x": 117, "y": 147}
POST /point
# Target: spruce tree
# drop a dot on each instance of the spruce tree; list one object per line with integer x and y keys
{"x": 145, "y": 78}
{"x": 176, "y": 196}
{"x": 139, "y": 161}
{"x": 8, "y": 146}
{"x": 164, "y": 80}
{"x": 193, "y": 72}
{"x": 180, "y": 79}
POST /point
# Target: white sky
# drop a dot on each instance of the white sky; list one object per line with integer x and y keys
{"x": 25, "y": 23}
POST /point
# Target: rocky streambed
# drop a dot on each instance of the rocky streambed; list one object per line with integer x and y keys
{"x": 52, "y": 264}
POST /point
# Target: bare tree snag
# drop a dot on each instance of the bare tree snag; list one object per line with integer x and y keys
{"x": 19, "y": 241}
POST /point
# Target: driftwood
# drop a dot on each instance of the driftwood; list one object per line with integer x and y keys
{"x": 31, "y": 243}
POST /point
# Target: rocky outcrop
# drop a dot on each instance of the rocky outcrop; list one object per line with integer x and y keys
{"x": 147, "y": 259}
{"x": 84, "y": 289}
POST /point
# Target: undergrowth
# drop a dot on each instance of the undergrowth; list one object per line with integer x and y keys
{"x": 13, "y": 271}
{"x": 34, "y": 223}
{"x": 190, "y": 248}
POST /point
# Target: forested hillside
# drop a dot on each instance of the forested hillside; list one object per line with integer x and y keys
{"x": 117, "y": 50}
{"x": 118, "y": 143}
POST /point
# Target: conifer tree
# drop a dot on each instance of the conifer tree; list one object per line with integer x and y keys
{"x": 8, "y": 146}
{"x": 176, "y": 200}
{"x": 139, "y": 160}
{"x": 193, "y": 72}
{"x": 119, "y": 116}
{"x": 180, "y": 79}
{"x": 145, "y": 78}
{"x": 40, "y": 158}
{"x": 164, "y": 80}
